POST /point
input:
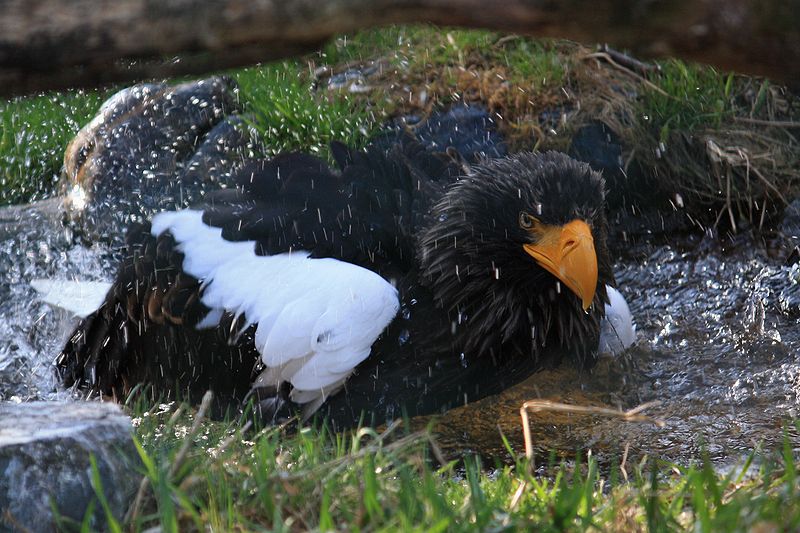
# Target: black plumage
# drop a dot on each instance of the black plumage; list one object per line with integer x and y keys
{"x": 478, "y": 313}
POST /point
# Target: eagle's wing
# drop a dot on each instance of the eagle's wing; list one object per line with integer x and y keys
{"x": 314, "y": 319}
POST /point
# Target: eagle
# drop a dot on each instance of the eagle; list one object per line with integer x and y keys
{"x": 398, "y": 281}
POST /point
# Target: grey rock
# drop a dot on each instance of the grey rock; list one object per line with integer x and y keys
{"x": 354, "y": 79}
{"x": 45, "y": 450}
{"x": 597, "y": 144}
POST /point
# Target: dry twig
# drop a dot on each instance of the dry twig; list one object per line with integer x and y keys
{"x": 537, "y": 406}
{"x": 773, "y": 123}
{"x": 629, "y": 62}
{"x": 623, "y": 68}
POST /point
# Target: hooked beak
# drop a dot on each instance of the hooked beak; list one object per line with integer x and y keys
{"x": 567, "y": 252}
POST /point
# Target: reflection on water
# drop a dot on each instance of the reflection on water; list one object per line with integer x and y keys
{"x": 714, "y": 348}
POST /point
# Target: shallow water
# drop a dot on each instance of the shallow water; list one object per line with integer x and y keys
{"x": 725, "y": 382}
{"x": 716, "y": 349}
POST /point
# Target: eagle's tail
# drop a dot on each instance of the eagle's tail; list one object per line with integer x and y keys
{"x": 99, "y": 340}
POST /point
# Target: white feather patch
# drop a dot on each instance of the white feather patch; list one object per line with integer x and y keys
{"x": 82, "y": 298}
{"x": 617, "y": 330}
{"x": 317, "y": 318}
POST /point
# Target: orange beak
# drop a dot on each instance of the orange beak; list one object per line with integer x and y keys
{"x": 567, "y": 252}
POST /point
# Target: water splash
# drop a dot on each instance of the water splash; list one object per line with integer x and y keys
{"x": 33, "y": 245}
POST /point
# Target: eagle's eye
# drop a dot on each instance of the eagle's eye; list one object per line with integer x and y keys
{"x": 526, "y": 221}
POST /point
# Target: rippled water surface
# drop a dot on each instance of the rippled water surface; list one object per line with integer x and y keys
{"x": 714, "y": 349}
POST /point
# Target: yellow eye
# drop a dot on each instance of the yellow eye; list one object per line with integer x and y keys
{"x": 526, "y": 221}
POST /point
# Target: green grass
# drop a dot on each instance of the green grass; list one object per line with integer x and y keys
{"x": 289, "y": 115}
{"x": 688, "y": 96}
{"x": 409, "y": 46}
{"x": 415, "y": 49}
{"x": 532, "y": 62}
{"x": 367, "y": 481}
{"x": 34, "y": 131}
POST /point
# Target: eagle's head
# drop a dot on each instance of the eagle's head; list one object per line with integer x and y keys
{"x": 518, "y": 247}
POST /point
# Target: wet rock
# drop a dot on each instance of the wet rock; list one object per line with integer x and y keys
{"x": 597, "y": 144}
{"x": 151, "y": 147}
{"x": 45, "y": 450}
{"x": 790, "y": 226}
{"x": 791, "y": 220}
{"x": 467, "y": 128}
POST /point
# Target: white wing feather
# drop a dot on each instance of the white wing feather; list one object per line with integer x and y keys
{"x": 317, "y": 318}
{"x": 82, "y": 298}
{"x": 617, "y": 330}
